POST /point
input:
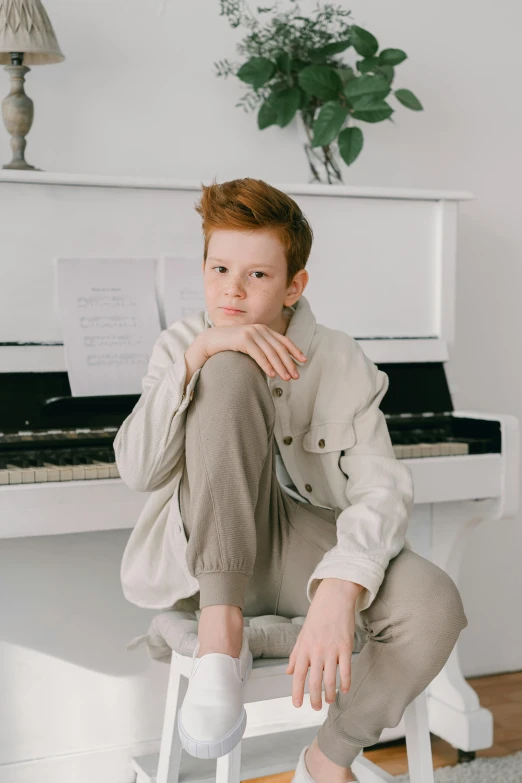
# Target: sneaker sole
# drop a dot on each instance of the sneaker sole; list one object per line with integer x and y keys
{"x": 214, "y": 749}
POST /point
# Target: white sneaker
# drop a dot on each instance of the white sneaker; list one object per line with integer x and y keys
{"x": 301, "y": 773}
{"x": 212, "y": 718}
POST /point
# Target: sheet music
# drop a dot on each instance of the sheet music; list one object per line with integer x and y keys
{"x": 110, "y": 322}
{"x": 183, "y": 290}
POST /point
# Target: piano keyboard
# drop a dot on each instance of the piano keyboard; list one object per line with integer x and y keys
{"x": 14, "y": 474}
{"x": 86, "y": 454}
{"x": 57, "y": 455}
{"x": 413, "y": 450}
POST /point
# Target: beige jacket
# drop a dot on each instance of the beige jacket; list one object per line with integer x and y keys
{"x": 340, "y": 456}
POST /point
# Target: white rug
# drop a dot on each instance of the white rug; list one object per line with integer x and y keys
{"x": 507, "y": 769}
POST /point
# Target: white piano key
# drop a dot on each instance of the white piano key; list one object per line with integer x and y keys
{"x": 4, "y": 476}
{"x": 53, "y": 474}
{"x": 15, "y": 475}
{"x": 115, "y": 473}
{"x": 103, "y": 469}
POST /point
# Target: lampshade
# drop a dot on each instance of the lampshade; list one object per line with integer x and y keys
{"x": 25, "y": 27}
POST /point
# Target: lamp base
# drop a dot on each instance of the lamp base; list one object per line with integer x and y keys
{"x": 20, "y": 165}
{"x": 17, "y": 113}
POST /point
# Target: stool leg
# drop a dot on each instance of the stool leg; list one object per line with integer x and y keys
{"x": 420, "y": 761}
{"x": 170, "y": 748}
{"x": 228, "y": 768}
{"x": 367, "y": 772}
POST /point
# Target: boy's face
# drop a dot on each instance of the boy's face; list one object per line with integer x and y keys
{"x": 247, "y": 271}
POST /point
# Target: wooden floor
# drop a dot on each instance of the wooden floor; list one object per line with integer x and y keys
{"x": 502, "y": 694}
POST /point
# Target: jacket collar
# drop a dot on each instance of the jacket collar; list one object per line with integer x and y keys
{"x": 301, "y": 328}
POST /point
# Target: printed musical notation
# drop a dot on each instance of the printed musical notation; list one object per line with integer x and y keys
{"x": 110, "y": 322}
{"x": 183, "y": 290}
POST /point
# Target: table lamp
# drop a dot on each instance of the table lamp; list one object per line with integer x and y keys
{"x": 26, "y": 35}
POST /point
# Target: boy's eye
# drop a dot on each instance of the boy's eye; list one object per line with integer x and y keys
{"x": 255, "y": 273}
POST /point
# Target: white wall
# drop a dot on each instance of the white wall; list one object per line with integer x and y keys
{"x": 137, "y": 95}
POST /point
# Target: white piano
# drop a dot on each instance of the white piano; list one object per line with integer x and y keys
{"x": 382, "y": 269}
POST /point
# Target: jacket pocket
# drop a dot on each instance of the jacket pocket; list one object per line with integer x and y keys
{"x": 329, "y": 436}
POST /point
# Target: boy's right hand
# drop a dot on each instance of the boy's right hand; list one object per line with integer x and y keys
{"x": 272, "y": 351}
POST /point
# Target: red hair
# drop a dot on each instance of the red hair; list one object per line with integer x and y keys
{"x": 249, "y": 204}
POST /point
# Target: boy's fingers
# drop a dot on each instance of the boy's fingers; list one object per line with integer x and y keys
{"x": 345, "y": 669}
{"x": 330, "y": 675}
{"x": 315, "y": 682}
{"x": 292, "y": 659}
{"x": 298, "y": 681}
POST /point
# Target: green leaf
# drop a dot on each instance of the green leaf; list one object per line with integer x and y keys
{"x": 305, "y": 98}
{"x": 345, "y": 74}
{"x": 297, "y": 65}
{"x": 319, "y": 55}
{"x": 283, "y": 62}
{"x": 320, "y": 81}
{"x": 367, "y": 85}
{"x": 408, "y": 99}
{"x": 286, "y": 103}
{"x": 368, "y": 64}
{"x": 392, "y": 56}
{"x": 350, "y": 144}
{"x": 387, "y": 71}
{"x": 257, "y": 71}
{"x": 371, "y": 109}
{"x": 267, "y": 114}
{"x": 329, "y": 122}
{"x": 363, "y": 42}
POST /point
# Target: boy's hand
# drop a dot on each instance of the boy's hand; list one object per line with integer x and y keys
{"x": 325, "y": 640}
{"x": 272, "y": 351}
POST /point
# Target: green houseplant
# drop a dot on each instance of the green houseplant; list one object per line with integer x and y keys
{"x": 294, "y": 69}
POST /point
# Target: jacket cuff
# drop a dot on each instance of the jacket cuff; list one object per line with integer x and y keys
{"x": 176, "y": 376}
{"x": 364, "y": 572}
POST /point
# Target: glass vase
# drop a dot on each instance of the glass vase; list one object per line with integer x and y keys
{"x": 324, "y": 163}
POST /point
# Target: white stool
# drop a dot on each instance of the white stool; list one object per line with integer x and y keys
{"x": 269, "y": 681}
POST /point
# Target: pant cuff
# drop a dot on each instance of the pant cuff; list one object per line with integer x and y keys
{"x": 222, "y": 587}
{"x": 336, "y": 748}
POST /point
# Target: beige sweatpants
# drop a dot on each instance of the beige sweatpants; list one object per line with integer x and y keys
{"x": 253, "y": 546}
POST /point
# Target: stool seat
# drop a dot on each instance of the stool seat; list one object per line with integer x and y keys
{"x": 172, "y": 637}
{"x": 269, "y": 636}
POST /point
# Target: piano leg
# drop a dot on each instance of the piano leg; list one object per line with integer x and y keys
{"x": 454, "y": 709}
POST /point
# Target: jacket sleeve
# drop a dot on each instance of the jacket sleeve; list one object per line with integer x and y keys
{"x": 379, "y": 488}
{"x": 151, "y": 440}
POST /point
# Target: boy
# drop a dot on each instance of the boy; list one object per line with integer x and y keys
{"x": 252, "y": 383}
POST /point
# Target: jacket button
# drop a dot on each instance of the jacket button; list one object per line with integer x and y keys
{"x": 191, "y": 394}
{"x": 287, "y": 440}
{"x": 308, "y": 487}
{"x": 278, "y": 391}
{"x": 321, "y": 444}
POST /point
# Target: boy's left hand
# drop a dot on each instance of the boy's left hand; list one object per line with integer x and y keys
{"x": 325, "y": 640}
